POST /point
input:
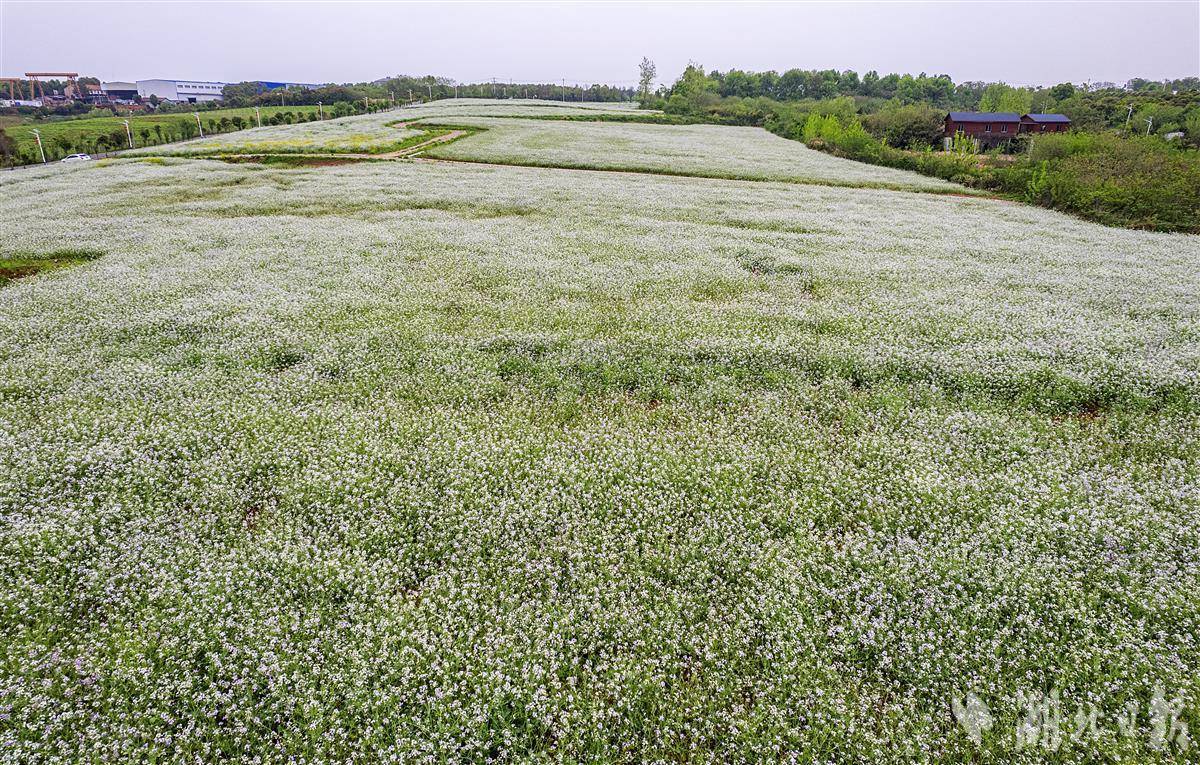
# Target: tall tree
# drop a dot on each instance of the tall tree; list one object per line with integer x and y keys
{"x": 999, "y": 97}
{"x": 646, "y": 74}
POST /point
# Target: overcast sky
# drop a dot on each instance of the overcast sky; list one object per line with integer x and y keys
{"x": 1036, "y": 42}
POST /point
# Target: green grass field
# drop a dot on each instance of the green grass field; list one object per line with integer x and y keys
{"x": 440, "y": 461}
{"x": 79, "y": 134}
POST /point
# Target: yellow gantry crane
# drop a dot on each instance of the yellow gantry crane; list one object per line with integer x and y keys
{"x": 16, "y": 87}
{"x": 35, "y": 88}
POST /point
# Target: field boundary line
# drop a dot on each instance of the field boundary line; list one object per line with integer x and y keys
{"x": 712, "y": 177}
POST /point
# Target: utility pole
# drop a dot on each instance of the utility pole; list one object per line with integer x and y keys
{"x": 201, "y": 127}
{"x": 38, "y": 135}
{"x": 430, "y": 85}
{"x": 281, "y": 96}
{"x": 128, "y": 133}
{"x": 258, "y": 116}
{"x": 456, "y": 91}
{"x": 410, "y": 95}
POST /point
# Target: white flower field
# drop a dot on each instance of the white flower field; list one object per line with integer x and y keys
{"x": 438, "y": 462}
{"x": 376, "y": 133}
{"x": 712, "y": 151}
{"x": 368, "y": 134}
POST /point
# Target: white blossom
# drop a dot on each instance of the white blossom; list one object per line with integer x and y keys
{"x": 435, "y": 462}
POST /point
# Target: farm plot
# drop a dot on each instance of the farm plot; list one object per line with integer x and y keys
{"x": 436, "y": 462}
{"x": 379, "y": 133}
{"x": 366, "y": 134}
{"x": 486, "y": 107}
{"x": 712, "y": 151}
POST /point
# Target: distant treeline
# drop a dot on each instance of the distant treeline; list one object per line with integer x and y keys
{"x": 404, "y": 89}
{"x": 1161, "y": 107}
{"x": 940, "y": 90}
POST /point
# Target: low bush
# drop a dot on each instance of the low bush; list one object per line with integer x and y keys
{"x": 1140, "y": 182}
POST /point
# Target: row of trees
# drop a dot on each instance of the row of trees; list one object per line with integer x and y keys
{"x": 165, "y": 131}
{"x": 404, "y": 88}
{"x": 750, "y": 98}
{"x": 939, "y": 90}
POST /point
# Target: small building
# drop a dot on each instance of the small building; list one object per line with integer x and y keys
{"x": 988, "y": 128}
{"x": 180, "y": 91}
{"x": 1045, "y": 123}
{"x": 93, "y": 94}
{"x": 991, "y": 129}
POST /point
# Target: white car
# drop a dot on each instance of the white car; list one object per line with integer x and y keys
{"x": 75, "y": 158}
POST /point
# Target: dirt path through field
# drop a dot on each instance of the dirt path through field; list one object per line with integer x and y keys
{"x": 445, "y": 138}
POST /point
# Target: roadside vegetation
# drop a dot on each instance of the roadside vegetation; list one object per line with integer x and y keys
{"x": 95, "y": 135}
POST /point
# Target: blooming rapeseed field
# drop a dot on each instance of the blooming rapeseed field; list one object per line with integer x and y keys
{"x": 446, "y": 462}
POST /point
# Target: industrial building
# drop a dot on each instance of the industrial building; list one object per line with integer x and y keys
{"x": 191, "y": 91}
{"x": 267, "y": 85}
{"x": 194, "y": 91}
{"x": 120, "y": 91}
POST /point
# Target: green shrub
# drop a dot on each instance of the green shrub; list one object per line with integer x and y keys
{"x": 1138, "y": 182}
{"x": 1035, "y": 190}
{"x": 915, "y": 126}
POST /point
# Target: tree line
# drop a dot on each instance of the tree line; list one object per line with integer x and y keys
{"x": 752, "y": 98}
{"x": 939, "y": 90}
{"x": 404, "y": 88}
